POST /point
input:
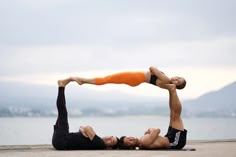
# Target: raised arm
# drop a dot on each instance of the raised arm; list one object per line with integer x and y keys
{"x": 161, "y": 76}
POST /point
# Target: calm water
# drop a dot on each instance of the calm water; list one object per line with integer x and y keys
{"x": 39, "y": 130}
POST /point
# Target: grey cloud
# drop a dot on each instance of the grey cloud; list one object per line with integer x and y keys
{"x": 36, "y": 35}
{"x": 114, "y": 22}
{"x": 96, "y": 57}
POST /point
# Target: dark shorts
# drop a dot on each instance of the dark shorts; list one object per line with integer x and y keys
{"x": 153, "y": 79}
{"x": 177, "y": 138}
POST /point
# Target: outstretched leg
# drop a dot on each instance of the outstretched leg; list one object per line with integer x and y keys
{"x": 175, "y": 109}
{"x": 176, "y": 134}
{"x": 129, "y": 78}
{"x": 61, "y": 128}
{"x": 62, "y": 119}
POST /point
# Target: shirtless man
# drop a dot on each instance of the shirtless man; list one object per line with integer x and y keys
{"x": 153, "y": 76}
{"x": 175, "y": 137}
{"x": 86, "y": 138}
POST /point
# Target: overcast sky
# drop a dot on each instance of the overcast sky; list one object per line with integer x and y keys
{"x": 43, "y": 40}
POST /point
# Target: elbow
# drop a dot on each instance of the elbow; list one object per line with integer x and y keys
{"x": 151, "y": 68}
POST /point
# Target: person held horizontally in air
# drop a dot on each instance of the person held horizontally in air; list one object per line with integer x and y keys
{"x": 153, "y": 76}
{"x": 85, "y": 139}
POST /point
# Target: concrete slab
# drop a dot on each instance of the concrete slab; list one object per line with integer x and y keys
{"x": 203, "y": 149}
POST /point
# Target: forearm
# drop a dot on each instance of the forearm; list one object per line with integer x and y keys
{"x": 151, "y": 136}
{"x": 81, "y": 129}
{"x": 89, "y": 132}
{"x": 161, "y": 76}
{"x": 154, "y": 133}
{"x": 169, "y": 87}
{"x": 149, "y": 130}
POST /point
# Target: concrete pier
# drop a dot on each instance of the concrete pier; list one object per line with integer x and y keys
{"x": 203, "y": 149}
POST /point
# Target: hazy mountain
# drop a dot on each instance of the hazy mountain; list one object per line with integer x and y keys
{"x": 27, "y": 100}
{"x": 222, "y": 102}
{"x": 34, "y": 95}
{"x": 38, "y": 100}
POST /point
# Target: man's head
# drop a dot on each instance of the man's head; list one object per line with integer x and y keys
{"x": 128, "y": 142}
{"x": 111, "y": 142}
{"x": 180, "y": 82}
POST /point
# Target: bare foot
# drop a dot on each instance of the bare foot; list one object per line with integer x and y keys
{"x": 64, "y": 82}
{"x": 79, "y": 80}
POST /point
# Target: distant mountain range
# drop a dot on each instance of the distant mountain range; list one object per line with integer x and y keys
{"x": 215, "y": 103}
{"x": 37, "y": 100}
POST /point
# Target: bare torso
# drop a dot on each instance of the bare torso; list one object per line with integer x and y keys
{"x": 158, "y": 143}
{"x": 147, "y": 76}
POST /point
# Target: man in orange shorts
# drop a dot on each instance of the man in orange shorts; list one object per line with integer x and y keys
{"x": 153, "y": 76}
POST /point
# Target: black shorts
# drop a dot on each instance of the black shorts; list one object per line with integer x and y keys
{"x": 153, "y": 79}
{"x": 177, "y": 138}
